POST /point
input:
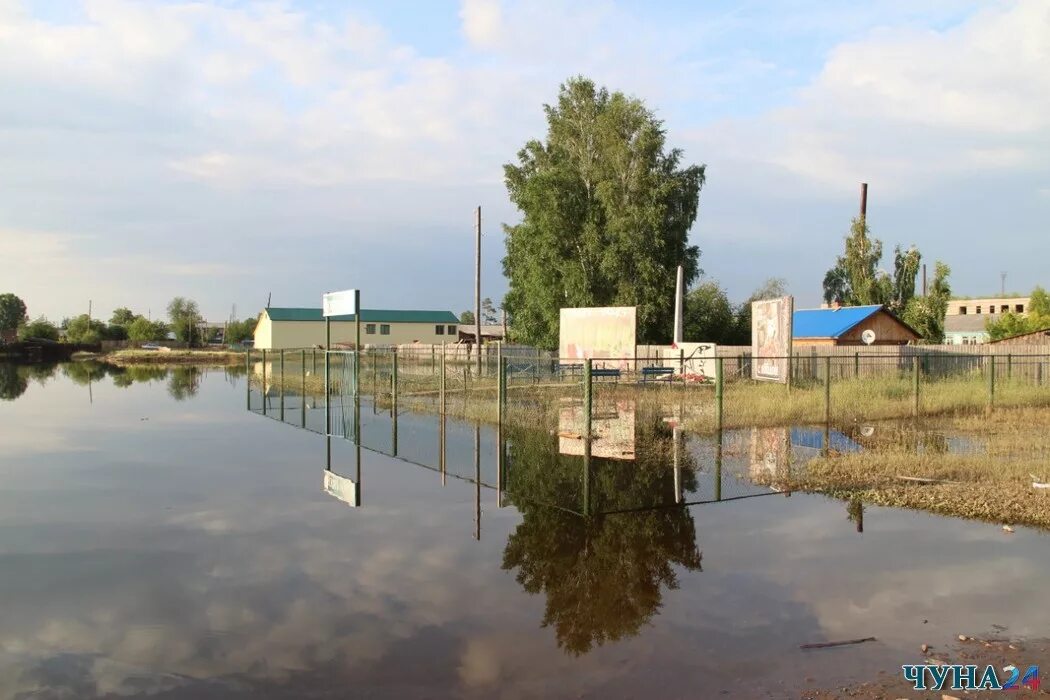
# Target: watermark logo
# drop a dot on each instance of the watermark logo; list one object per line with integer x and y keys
{"x": 970, "y": 677}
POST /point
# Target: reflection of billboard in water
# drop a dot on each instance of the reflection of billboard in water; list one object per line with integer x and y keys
{"x": 771, "y": 338}
{"x": 342, "y": 488}
{"x": 770, "y": 452}
{"x": 602, "y": 332}
{"x": 612, "y": 425}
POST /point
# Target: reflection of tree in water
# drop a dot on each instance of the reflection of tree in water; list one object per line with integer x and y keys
{"x": 603, "y": 575}
{"x": 13, "y": 383}
{"x": 184, "y": 382}
{"x": 126, "y": 376}
{"x": 85, "y": 372}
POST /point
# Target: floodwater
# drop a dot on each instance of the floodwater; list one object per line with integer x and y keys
{"x": 159, "y": 539}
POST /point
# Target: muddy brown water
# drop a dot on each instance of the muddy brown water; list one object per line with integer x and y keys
{"x": 158, "y": 539}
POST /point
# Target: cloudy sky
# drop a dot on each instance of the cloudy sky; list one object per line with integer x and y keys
{"x": 226, "y": 151}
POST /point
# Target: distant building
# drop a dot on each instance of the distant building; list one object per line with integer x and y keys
{"x": 280, "y": 328}
{"x": 846, "y": 325}
{"x": 966, "y": 319}
{"x": 489, "y": 331}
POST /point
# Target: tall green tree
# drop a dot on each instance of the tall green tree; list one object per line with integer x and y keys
{"x": 122, "y": 317}
{"x": 84, "y": 329}
{"x": 238, "y": 331}
{"x": 855, "y": 278}
{"x": 905, "y": 270}
{"x": 142, "y": 330}
{"x": 12, "y": 312}
{"x": 466, "y": 317}
{"x": 708, "y": 316}
{"x": 185, "y": 317}
{"x": 606, "y": 209}
{"x": 926, "y": 314}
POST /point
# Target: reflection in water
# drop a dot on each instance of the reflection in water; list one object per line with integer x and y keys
{"x": 13, "y": 382}
{"x": 603, "y": 576}
{"x": 184, "y": 382}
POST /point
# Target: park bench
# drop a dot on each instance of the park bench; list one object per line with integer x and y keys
{"x": 603, "y": 372}
{"x": 657, "y": 374}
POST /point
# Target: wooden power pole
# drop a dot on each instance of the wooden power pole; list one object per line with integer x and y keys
{"x": 477, "y": 287}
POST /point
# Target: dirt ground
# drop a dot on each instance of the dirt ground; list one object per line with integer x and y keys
{"x": 999, "y": 650}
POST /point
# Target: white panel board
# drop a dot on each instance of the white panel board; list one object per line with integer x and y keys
{"x": 339, "y": 303}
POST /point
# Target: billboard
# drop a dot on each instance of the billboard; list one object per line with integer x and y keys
{"x": 771, "y": 338}
{"x": 605, "y": 334}
{"x": 339, "y": 303}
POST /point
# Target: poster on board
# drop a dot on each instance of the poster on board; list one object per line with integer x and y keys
{"x": 771, "y": 338}
{"x": 604, "y": 334}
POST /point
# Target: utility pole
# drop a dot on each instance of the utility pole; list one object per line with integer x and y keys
{"x": 477, "y": 286}
{"x": 924, "y": 279}
{"x": 89, "y": 308}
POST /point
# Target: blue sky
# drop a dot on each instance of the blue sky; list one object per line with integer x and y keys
{"x": 227, "y": 151}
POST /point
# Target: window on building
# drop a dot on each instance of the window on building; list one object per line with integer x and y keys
{"x": 1019, "y": 308}
{"x": 962, "y": 311}
{"x": 1005, "y": 308}
{"x": 439, "y": 329}
{"x": 451, "y": 330}
{"x": 370, "y": 329}
{"x": 384, "y": 329}
{"x": 978, "y": 310}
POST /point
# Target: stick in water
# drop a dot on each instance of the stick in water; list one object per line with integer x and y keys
{"x": 824, "y": 645}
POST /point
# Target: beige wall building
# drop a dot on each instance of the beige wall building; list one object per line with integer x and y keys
{"x": 965, "y": 320}
{"x": 282, "y": 328}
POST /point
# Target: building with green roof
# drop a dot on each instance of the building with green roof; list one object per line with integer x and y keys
{"x": 287, "y": 327}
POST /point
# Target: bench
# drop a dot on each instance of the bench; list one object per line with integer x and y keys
{"x": 571, "y": 370}
{"x": 602, "y": 372}
{"x": 657, "y": 373}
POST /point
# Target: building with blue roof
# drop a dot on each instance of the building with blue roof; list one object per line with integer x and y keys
{"x": 845, "y": 325}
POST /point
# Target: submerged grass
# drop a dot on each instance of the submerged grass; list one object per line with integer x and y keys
{"x": 993, "y": 481}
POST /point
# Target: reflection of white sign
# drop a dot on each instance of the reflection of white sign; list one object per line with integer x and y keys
{"x": 612, "y": 426}
{"x": 339, "y": 303}
{"x": 342, "y": 488}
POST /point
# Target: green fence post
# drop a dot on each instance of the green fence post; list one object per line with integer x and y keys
{"x": 719, "y": 387}
{"x": 302, "y": 398}
{"x": 393, "y": 399}
{"x": 264, "y": 382}
{"x": 915, "y": 386}
{"x": 248, "y": 376}
{"x": 856, "y": 365}
{"x": 718, "y": 466}
{"x": 588, "y": 398}
{"x": 433, "y": 359}
{"x": 790, "y": 371}
{"x": 991, "y": 381}
{"x": 282, "y": 385}
{"x": 1039, "y": 372}
{"x": 327, "y": 393}
{"x": 502, "y": 390}
{"x": 827, "y": 389}
{"x": 441, "y": 390}
{"x": 681, "y": 363}
{"x": 1009, "y": 365}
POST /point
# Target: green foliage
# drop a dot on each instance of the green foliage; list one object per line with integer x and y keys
{"x": 143, "y": 330}
{"x": 39, "y": 328}
{"x": 84, "y": 329}
{"x": 466, "y": 317}
{"x": 606, "y": 213}
{"x": 184, "y": 382}
{"x": 906, "y": 268}
{"x": 926, "y": 314}
{"x": 185, "y": 316}
{"x": 12, "y": 312}
{"x": 122, "y": 317}
{"x": 238, "y": 331}
{"x": 708, "y": 316}
{"x": 1039, "y": 305}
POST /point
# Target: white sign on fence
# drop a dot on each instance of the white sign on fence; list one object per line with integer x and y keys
{"x": 339, "y": 303}
{"x": 697, "y": 359}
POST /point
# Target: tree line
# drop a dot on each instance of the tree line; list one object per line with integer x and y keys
{"x": 183, "y": 324}
{"x": 1036, "y": 319}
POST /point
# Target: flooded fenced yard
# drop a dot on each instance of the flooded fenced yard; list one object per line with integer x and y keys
{"x": 160, "y": 537}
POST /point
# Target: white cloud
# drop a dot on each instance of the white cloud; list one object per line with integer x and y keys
{"x": 482, "y": 23}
